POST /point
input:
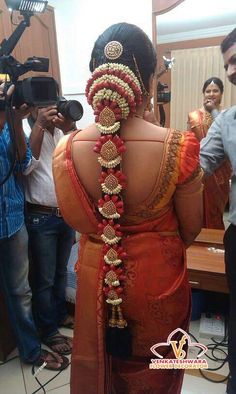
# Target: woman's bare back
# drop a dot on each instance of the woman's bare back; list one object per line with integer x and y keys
{"x": 141, "y": 163}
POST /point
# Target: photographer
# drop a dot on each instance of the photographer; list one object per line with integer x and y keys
{"x": 50, "y": 238}
{"x": 21, "y": 145}
{"x": 14, "y": 262}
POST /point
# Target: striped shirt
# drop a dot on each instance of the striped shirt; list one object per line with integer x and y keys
{"x": 11, "y": 192}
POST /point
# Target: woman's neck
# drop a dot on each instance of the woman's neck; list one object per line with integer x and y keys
{"x": 139, "y": 116}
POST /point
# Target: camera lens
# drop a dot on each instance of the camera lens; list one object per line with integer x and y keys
{"x": 71, "y": 109}
{"x": 75, "y": 110}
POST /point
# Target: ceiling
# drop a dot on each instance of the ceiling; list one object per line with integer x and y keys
{"x": 204, "y": 17}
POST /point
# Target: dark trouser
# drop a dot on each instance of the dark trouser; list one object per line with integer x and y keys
{"x": 230, "y": 265}
{"x": 50, "y": 241}
{"x": 14, "y": 268}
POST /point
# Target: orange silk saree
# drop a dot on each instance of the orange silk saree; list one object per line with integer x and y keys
{"x": 216, "y": 186}
{"x": 157, "y": 295}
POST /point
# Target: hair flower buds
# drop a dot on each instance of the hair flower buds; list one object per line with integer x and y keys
{"x": 114, "y": 92}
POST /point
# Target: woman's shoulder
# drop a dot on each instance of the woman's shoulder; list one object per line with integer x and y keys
{"x": 89, "y": 133}
{"x": 183, "y": 149}
{"x": 155, "y": 133}
{"x": 181, "y": 154}
{"x": 189, "y": 156}
{"x": 178, "y": 138}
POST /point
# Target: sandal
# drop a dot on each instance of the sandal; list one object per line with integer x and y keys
{"x": 68, "y": 322}
{"x": 59, "y": 344}
{"x": 54, "y": 361}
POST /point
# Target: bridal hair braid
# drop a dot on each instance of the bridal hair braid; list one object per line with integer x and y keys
{"x": 114, "y": 91}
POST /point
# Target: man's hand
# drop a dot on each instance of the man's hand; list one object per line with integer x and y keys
{"x": 9, "y": 91}
{"x": 45, "y": 116}
{"x": 19, "y": 113}
{"x": 22, "y": 112}
{"x": 63, "y": 124}
{"x": 44, "y": 120}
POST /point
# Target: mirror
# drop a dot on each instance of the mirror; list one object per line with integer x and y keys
{"x": 192, "y": 32}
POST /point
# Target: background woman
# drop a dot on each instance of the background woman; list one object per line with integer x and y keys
{"x": 129, "y": 187}
{"x": 216, "y": 187}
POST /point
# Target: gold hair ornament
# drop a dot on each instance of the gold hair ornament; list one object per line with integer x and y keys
{"x": 113, "y": 50}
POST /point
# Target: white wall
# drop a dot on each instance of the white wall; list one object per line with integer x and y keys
{"x": 78, "y": 23}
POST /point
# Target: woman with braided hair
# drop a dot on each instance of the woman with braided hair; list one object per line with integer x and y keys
{"x": 133, "y": 190}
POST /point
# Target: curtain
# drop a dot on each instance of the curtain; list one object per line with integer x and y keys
{"x": 191, "y": 69}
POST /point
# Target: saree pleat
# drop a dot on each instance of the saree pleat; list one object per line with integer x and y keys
{"x": 88, "y": 361}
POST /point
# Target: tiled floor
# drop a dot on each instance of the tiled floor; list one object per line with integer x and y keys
{"x": 16, "y": 378}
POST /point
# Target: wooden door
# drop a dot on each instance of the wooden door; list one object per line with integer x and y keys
{"x": 39, "y": 39}
{"x": 5, "y": 22}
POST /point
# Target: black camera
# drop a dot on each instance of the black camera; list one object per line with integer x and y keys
{"x": 42, "y": 92}
{"x": 34, "y": 91}
{"x": 163, "y": 94}
{"x": 70, "y": 109}
{"x": 37, "y": 91}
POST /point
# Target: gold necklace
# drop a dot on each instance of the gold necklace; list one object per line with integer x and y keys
{"x": 207, "y": 119}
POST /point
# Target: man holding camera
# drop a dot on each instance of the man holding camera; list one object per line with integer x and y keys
{"x": 15, "y": 159}
{"x": 50, "y": 238}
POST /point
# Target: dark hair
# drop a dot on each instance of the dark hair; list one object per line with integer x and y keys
{"x": 215, "y": 80}
{"x": 136, "y": 44}
{"x": 228, "y": 41}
